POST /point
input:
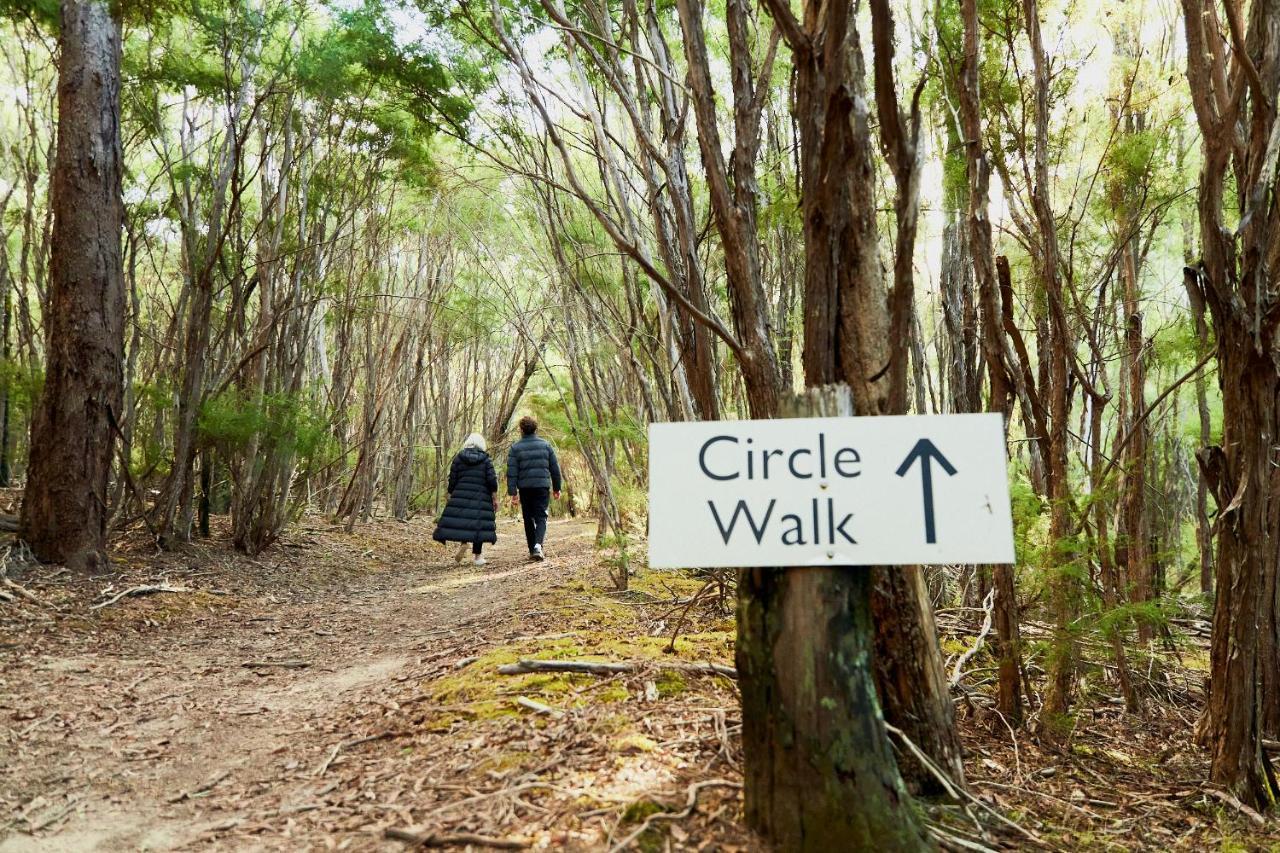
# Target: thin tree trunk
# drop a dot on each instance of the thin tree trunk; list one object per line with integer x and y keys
{"x": 1005, "y": 605}
{"x": 1135, "y": 552}
{"x": 1064, "y": 591}
{"x": 909, "y": 671}
{"x": 1204, "y": 528}
{"x": 734, "y": 202}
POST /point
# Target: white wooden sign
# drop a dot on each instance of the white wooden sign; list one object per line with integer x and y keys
{"x": 914, "y": 489}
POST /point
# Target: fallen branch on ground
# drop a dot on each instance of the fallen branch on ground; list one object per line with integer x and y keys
{"x": 276, "y": 664}
{"x": 957, "y": 671}
{"x": 10, "y": 524}
{"x": 538, "y": 707}
{"x": 690, "y": 806}
{"x": 457, "y": 839}
{"x": 139, "y": 590}
{"x": 22, "y": 591}
{"x": 957, "y": 793}
{"x": 1235, "y": 803}
{"x": 524, "y": 667}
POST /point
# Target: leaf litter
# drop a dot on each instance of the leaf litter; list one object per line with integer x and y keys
{"x": 344, "y": 693}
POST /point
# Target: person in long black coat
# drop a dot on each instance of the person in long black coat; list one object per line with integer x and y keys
{"x": 470, "y": 515}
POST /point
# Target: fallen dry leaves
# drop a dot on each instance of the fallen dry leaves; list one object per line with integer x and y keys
{"x": 343, "y": 687}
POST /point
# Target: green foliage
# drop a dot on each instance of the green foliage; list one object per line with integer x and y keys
{"x": 1176, "y": 346}
{"x": 24, "y": 381}
{"x": 1119, "y": 619}
{"x": 553, "y": 422}
{"x": 591, "y": 255}
{"x": 632, "y": 500}
{"x": 232, "y": 421}
{"x": 779, "y": 203}
{"x": 477, "y": 315}
{"x": 1132, "y": 157}
{"x": 955, "y": 177}
{"x": 426, "y": 87}
{"x": 46, "y": 13}
{"x": 1030, "y": 519}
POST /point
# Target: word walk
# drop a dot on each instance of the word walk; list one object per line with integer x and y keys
{"x": 792, "y": 527}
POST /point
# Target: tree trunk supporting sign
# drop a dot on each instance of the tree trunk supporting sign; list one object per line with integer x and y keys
{"x": 819, "y": 772}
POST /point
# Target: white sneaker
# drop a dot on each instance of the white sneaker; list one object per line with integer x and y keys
{"x": 537, "y": 553}
{"x": 462, "y": 553}
{"x": 479, "y": 561}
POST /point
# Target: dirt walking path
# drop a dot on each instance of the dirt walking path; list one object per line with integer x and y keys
{"x": 230, "y": 727}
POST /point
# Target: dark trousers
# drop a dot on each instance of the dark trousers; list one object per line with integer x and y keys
{"x": 476, "y": 547}
{"x": 533, "y": 506}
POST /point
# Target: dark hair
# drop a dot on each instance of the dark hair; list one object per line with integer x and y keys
{"x": 528, "y": 426}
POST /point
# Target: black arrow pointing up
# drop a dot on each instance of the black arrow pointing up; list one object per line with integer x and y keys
{"x": 926, "y": 452}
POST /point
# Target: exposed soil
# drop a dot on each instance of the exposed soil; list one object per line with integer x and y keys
{"x": 229, "y": 716}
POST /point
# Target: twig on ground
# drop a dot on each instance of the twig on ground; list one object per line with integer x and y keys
{"x": 948, "y": 785}
{"x": 276, "y": 664}
{"x": 35, "y": 725}
{"x": 950, "y": 841}
{"x": 456, "y": 839}
{"x": 149, "y": 589}
{"x": 690, "y": 805}
{"x": 957, "y": 793}
{"x": 1013, "y": 738}
{"x": 671, "y": 646}
{"x": 538, "y": 707}
{"x": 54, "y": 816}
{"x": 1235, "y": 803}
{"x": 504, "y": 792}
{"x": 1022, "y": 788}
{"x": 25, "y": 593}
{"x": 957, "y": 671}
{"x": 524, "y": 667}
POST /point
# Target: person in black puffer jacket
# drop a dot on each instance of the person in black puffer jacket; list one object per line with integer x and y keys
{"x": 533, "y": 477}
{"x": 471, "y": 514}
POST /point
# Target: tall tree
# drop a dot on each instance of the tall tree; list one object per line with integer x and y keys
{"x": 64, "y": 511}
{"x": 733, "y": 190}
{"x": 912, "y": 683}
{"x": 808, "y": 647}
{"x": 993, "y": 342}
{"x": 1234, "y": 75}
{"x": 1054, "y": 364}
{"x": 818, "y": 770}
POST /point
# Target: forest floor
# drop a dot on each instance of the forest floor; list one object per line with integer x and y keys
{"x": 343, "y": 685}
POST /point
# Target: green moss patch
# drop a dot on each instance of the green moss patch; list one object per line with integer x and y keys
{"x": 641, "y": 809}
